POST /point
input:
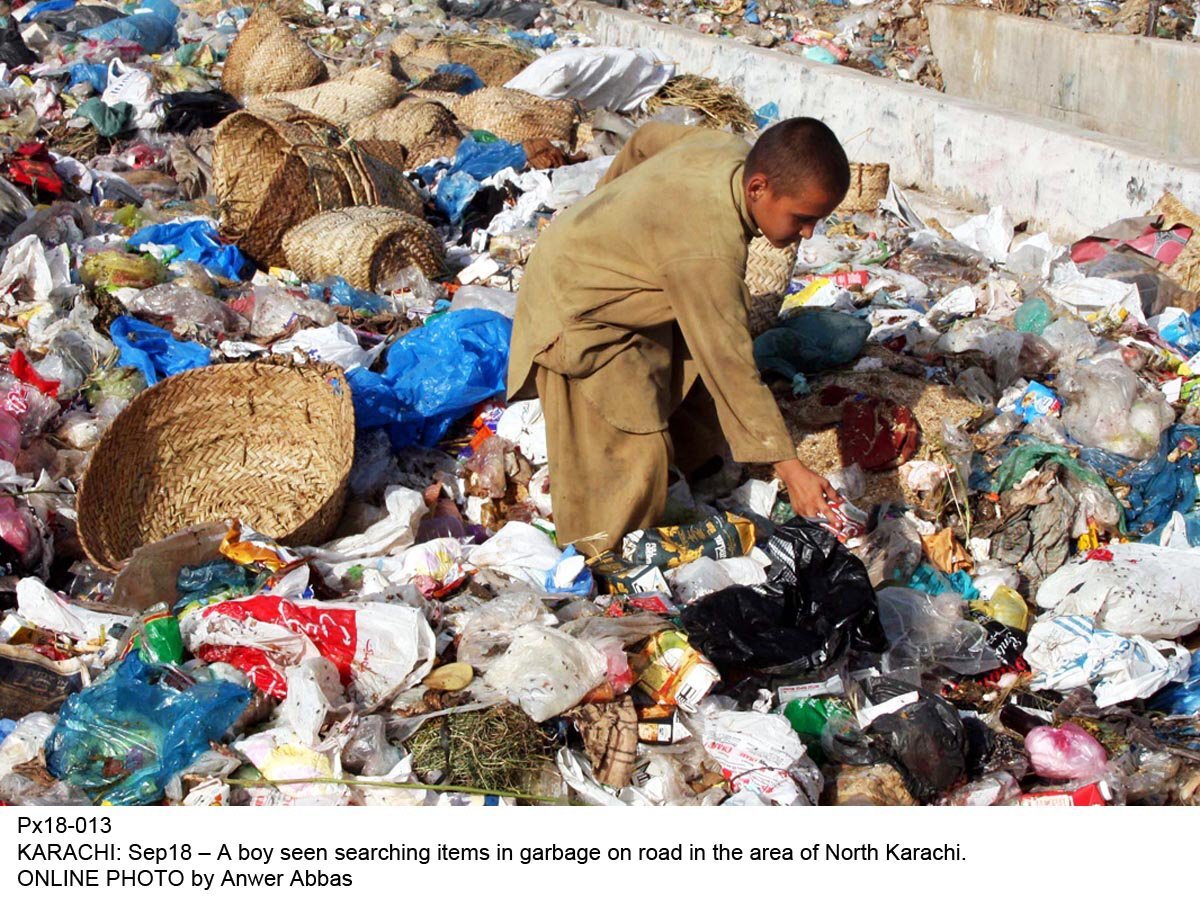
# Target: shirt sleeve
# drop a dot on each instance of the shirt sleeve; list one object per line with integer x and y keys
{"x": 644, "y": 144}
{"x": 710, "y": 300}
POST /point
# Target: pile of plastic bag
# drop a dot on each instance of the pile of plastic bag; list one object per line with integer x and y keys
{"x": 1006, "y": 615}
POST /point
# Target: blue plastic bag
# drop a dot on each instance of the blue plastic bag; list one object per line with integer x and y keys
{"x": 153, "y": 350}
{"x": 336, "y": 291}
{"x": 454, "y": 195}
{"x": 934, "y": 582}
{"x": 766, "y": 115}
{"x": 152, "y": 26}
{"x": 473, "y": 83}
{"x": 541, "y": 42}
{"x": 581, "y": 586}
{"x": 48, "y": 6}
{"x": 483, "y": 160}
{"x": 809, "y": 342}
{"x": 197, "y": 241}
{"x": 6, "y": 728}
{"x": 1182, "y": 699}
{"x": 123, "y": 739}
{"x": 94, "y": 73}
{"x": 435, "y": 375}
{"x": 1157, "y": 486}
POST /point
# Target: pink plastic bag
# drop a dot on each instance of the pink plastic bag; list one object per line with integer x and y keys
{"x": 1064, "y": 753}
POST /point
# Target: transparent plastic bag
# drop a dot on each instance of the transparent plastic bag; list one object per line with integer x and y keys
{"x": 1065, "y": 753}
{"x": 928, "y": 630}
{"x": 1107, "y": 407}
{"x": 190, "y": 313}
{"x": 545, "y": 671}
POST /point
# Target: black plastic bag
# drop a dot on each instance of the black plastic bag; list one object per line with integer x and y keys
{"x": 924, "y": 738}
{"x": 79, "y": 18}
{"x": 818, "y": 606}
{"x": 186, "y": 111}
{"x": 13, "y": 52}
{"x": 511, "y": 12}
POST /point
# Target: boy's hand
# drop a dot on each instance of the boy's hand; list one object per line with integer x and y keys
{"x": 809, "y": 492}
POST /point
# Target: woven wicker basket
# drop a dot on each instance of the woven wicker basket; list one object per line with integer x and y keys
{"x": 365, "y": 245}
{"x": 1186, "y": 268}
{"x": 269, "y": 444}
{"x": 868, "y": 186}
{"x": 518, "y": 115}
{"x": 768, "y": 272}
{"x": 268, "y": 56}
{"x": 495, "y": 62}
{"x": 271, "y": 175}
{"x": 408, "y": 135}
{"x": 344, "y": 99}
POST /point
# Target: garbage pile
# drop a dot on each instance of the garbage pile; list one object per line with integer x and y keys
{"x": 270, "y": 535}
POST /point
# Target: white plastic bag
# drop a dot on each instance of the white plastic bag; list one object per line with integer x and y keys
{"x": 396, "y": 531}
{"x": 336, "y": 344}
{"x": 1069, "y": 651}
{"x": 520, "y": 551}
{"x": 127, "y": 84}
{"x": 615, "y": 78}
{"x": 754, "y": 750}
{"x": 1133, "y": 588}
{"x": 545, "y": 671}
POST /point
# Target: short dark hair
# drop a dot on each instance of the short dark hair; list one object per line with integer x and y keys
{"x": 800, "y": 150}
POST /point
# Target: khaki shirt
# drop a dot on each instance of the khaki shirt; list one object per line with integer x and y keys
{"x": 640, "y": 288}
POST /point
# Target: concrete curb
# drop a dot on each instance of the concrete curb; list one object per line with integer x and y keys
{"x": 1061, "y": 179}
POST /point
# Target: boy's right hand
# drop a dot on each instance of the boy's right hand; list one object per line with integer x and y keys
{"x": 809, "y": 492}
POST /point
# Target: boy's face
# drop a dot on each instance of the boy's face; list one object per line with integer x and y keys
{"x": 787, "y": 218}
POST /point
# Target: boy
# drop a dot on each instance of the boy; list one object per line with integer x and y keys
{"x": 632, "y": 320}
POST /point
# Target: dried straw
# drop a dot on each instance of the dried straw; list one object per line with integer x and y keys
{"x": 719, "y": 105}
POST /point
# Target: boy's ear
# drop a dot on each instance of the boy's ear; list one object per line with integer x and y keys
{"x": 757, "y": 185}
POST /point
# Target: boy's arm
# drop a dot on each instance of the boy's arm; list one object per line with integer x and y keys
{"x": 710, "y": 300}
{"x": 644, "y": 144}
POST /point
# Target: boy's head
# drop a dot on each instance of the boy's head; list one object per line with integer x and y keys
{"x": 795, "y": 175}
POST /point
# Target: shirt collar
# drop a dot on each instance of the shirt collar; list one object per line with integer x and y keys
{"x": 739, "y": 199}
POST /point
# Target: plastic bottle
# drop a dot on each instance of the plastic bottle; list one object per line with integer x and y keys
{"x": 1033, "y": 316}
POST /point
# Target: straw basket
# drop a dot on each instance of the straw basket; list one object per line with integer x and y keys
{"x": 342, "y": 100}
{"x": 268, "y": 56}
{"x": 518, "y": 115}
{"x": 868, "y": 186}
{"x": 494, "y": 61}
{"x": 408, "y": 135}
{"x": 768, "y": 272}
{"x": 366, "y": 245}
{"x": 1186, "y": 268}
{"x": 270, "y": 176}
{"x": 269, "y": 444}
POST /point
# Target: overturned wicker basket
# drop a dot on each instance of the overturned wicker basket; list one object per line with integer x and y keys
{"x": 268, "y": 56}
{"x": 408, "y": 135}
{"x": 868, "y": 186}
{"x": 518, "y": 115}
{"x": 365, "y": 245}
{"x": 269, "y": 444}
{"x": 494, "y": 61}
{"x": 271, "y": 175}
{"x": 344, "y": 99}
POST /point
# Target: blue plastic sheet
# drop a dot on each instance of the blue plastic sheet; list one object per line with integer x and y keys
{"x": 473, "y": 83}
{"x": 1182, "y": 699}
{"x": 94, "y": 73}
{"x": 123, "y": 739}
{"x": 435, "y": 375}
{"x": 152, "y": 26}
{"x": 1157, "y": 486}
{"x": 153, "y": 350}
{"x": 197, "y": 241}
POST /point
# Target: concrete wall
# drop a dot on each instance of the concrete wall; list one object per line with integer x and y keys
{"x": 1064, "y": 180}
{"x": 1145, "y": 89}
